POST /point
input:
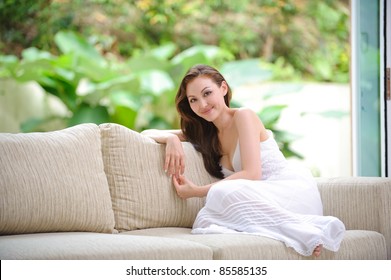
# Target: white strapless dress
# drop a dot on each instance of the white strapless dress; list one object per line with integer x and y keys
{"x": 285, "y": 205}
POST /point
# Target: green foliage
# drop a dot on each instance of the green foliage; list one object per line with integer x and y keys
{"x": 127, "y": 57}
{"x": 246, "y": 71}
{"x": 270, "y": 116}
{"x": 309, "y": 38}
{"x": 138, "y": 93}
{"x": 33, "y": 23}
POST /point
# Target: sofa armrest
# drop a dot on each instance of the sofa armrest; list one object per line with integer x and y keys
{"x": 362, "y": 203}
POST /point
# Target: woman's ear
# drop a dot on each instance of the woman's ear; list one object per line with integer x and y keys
{"x": 224, "y": 87}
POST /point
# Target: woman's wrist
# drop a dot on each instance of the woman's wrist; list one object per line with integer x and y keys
{"x": 172, "y": 137}
{"x": 201, "y": 191}
{"x": 161, "y": 136}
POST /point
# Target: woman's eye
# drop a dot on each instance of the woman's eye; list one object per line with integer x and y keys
{"x": 192, "y": 100}
{"x": 207, "y": 93}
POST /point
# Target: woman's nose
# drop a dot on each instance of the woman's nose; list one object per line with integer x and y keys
{"x": 203, "y": 103}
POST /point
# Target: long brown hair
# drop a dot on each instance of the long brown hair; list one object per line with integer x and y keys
{"x": 201, "y": 133}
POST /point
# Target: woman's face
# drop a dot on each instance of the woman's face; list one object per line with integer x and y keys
{"x": 206, "y": 98}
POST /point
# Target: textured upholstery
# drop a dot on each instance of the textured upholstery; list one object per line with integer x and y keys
{"x": 98, "y": 246}
{"x": 100, "y": 179}
{"x": 54, "y": 181}
{"x": 362, "y": 203}
{"x": 357, "y": 244}
{"x": 142, "y": 194}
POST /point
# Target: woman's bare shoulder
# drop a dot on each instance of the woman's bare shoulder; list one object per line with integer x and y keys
{"x": 245, "y": 114}
{"x": 245, "y": 117}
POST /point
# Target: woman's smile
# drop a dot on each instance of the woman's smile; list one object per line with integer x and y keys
{"x": 207, "y": 111}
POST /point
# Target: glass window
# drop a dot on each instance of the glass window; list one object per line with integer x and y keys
{"x": 366, "y": 88}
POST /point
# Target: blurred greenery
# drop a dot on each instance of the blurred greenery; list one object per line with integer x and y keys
{"x": 138, "y": 93}
{"x": 96, "y": 89}
{"x": 121, "y": 61}
{"x": 307, "y": 38}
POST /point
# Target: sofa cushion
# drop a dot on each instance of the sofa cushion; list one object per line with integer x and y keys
{"x": 54, "y": 181}
{"x": 359, "y": 202}
{"x": 98, "y": 246}
{"x": 356, "y": 245}
{"x": 142, "y": 194}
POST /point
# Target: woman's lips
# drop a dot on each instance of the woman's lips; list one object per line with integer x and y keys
{"x": 207, "y": 111}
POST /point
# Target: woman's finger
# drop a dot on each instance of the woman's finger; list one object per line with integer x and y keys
{"x": 166, "y": 164}
{"x": 176, "y": 185}
{"x": 175, "y": 181}
{"x": 177, "y": 166}
{"x": 182, "y": 166}
{"x": 169, "y": 166}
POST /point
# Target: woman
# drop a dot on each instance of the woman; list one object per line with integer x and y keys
{"x": 259, "y": 192}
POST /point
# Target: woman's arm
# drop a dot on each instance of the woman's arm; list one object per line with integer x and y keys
{"x": 187, "y": 189}
{"x": 174, "y": 164}
{"x": 251, "y": 132}
{"x": 161, "y": 136}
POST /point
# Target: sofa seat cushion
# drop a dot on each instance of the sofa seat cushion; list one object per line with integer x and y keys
{"x": 359, "y": 202}
{"x": 54, "y": 181}
{"x": 143, "y": 196}
{"x": 357, "y": 244}
{"x": 83, "y": 245}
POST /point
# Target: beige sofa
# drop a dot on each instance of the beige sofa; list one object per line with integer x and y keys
{"x": 100, "y": 192}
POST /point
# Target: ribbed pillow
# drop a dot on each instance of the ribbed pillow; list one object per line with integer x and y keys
{"x": 54, "y": 181}
{"x": 143, "y": 196}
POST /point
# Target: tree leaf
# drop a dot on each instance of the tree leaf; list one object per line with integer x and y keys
{"x": 87, "y": 114}
{"x": 270, "y": 114}
{"x": 125, "y": 115}
{"x": 242, "y": 72}
{"x": 146, "y": 63}
{"x": 124, "y": 99}
{"x": 70, "y": 42}
{"x": 156, "y": 82}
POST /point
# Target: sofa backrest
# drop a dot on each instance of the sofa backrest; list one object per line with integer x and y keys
{"x": 142, "y": 194}
{"x": 91, "y": 178}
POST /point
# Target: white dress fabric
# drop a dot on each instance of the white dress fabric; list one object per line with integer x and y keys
{"x": 285, "y": 205}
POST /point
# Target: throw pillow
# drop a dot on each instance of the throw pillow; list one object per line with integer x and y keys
{"x": 143, "y": 196}
{"x": 54, "y": 181}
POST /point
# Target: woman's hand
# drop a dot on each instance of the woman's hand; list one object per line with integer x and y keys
{"x": 174, "y": 164}
{"x": 184, "y": 188}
